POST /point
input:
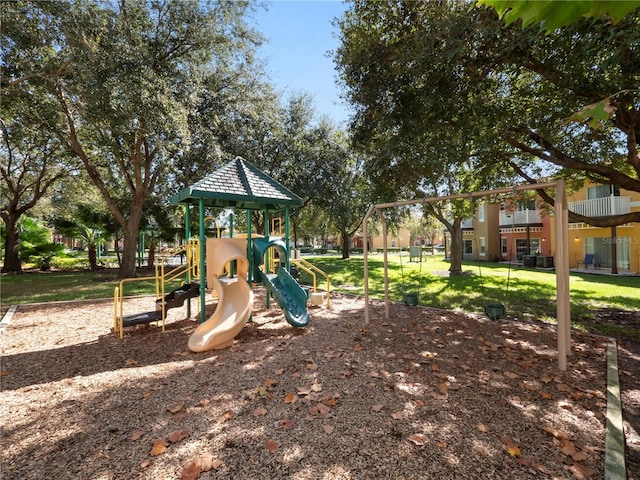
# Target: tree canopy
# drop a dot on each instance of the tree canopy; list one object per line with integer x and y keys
{"x": 121, "y": 79}
{"x": 427, "y": 78}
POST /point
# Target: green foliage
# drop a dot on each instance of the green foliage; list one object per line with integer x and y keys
{"x": 554, "y": 14}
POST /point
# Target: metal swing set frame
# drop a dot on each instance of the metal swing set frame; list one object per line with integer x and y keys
{"x": 563, "y": 312}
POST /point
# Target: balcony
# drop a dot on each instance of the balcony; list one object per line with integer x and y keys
{"x": 467, "y": 224}
{"x": 521, "y": 217}
{"x": 601, "y": 207}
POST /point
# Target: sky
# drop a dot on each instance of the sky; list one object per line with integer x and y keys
{"x": 299, "y": 36}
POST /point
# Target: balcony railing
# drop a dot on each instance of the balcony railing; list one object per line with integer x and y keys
{"x": 467, "y": 223}
{"x": 601, "y": 207}
{"x": 521, "y": 217}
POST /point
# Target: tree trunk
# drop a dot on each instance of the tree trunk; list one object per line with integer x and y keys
{"x": 93, "y": 261}
{"x": 152, "y": 254}
{"x": 345, "y": 245}
{"x": 455, "y": 267}
{"x": 130, "y": 242}
{"x": 12, "y": 262}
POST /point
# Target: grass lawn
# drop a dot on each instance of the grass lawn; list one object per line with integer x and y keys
{"x": 530, "y": 296}
{"x": 54, "y": 286}
{"x": 531, "y": 293}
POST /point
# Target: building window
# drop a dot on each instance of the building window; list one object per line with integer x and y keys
{"x": 602, "y": 191}
{"x": 481, "y": 212}
{"x": 483, "y": 246}
{"x": 468, "y": 247}
{"x": 503, "y": 245}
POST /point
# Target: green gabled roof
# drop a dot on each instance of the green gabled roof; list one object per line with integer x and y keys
{"x": 238, "y": 184}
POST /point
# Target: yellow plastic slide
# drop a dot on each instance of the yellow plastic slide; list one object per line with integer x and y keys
{"x": 235, "y": 298}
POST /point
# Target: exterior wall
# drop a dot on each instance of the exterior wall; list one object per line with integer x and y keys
{"x": 585, "y": 239}
{"x": 401, "y": 240}
{"x": 483, "y": 235}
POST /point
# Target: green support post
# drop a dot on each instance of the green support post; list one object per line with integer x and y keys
{"x": 286, "y": 240}
{"x": 266, "y": 260}
{"x": 187, "y": 234}
{"x": 202, "y": 272}
{"x": 249, "y": 249}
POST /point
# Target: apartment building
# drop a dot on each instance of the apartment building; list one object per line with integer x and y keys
{"x": 524, "y": 231}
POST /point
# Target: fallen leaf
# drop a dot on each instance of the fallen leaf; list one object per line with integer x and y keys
{"x": 204, "y": 402}
{"x": 563, "y": 388}
{"x": 147, "y": 394}
{"x": 546, "y": 378}
{"x": 269, "y": 382}
{"x": 176, "y": 409}
{"x": 319, "y": 409}
{"x": 272, "y": 445}
{"x": 228, "y": 415}
{"x": 567, "y": 447}
{"x": 130, "y": 361}
{"x": 4, "y": 373}
{"x": 145, "y": 463}
{"x": 377, "y": 408}
{"x": 279, "y": 371}
{"x": 290, "y": 398}
{"x": 191, "y": 472}
{"x": 357, "y": 347}
{"x": 181, "y": 354}
{"x": 555, "y": 432}
{"x": 441, "y": 445}
{"x": 330, "y": 401}
{"x": 286, "y": 424}
{"x": 434, "y": 367}
{"x": 304, "y": 391}
{"x": 482, "y": 427}
{"x": 511, "y": 375}
{"x": 316, "y": 387}
{"x": 580, "y": 471}
{"x": 418, "y": 438}
{"x": 443, "y": 388}
{"x": 513, "y": 451}
{"x": 481, "y": 451}
{"x": 397, "y": 415}
{"x": 136, "y": 434}
{"x": 259, "y": 412}
{"x": 328, "y": 429}
{"x": 159, "y": 446}
{"x": 178, "y": 435}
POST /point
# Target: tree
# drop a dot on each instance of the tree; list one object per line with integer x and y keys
{"x": 423, "y": 135}
{"x": 439, "y": 67}
{"x": 29, "y": 165}
{"x": 348, "y": 198}
{"x": 125, "y": 119}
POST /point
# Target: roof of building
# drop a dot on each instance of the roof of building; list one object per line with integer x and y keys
{"x": 238, "y": 184}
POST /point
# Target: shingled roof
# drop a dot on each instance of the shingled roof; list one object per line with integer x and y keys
{"x": 238, "y": 184}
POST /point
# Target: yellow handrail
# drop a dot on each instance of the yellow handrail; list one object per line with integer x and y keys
{"x": 161, "y": 277}
{"x": 310, "y": 269}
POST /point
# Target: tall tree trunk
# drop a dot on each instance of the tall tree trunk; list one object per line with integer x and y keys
{"x": 12, "y": 262}
{"x": 93, "y": 260}
{"x": 130, "y": 240}
{"x": 152, "y": 253}
{"x": 345, "y": 245}
{"x": 455, "y": 267}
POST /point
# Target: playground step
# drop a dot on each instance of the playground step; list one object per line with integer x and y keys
{"x": 177, "y": 297}
{"x": 141, "y": 318}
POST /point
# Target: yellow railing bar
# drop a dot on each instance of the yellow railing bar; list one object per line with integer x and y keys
{"x": 306, "y": 266}
{"x": 161, "y": 277}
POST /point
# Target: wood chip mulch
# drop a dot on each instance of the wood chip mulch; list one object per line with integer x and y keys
{"x": 428, "y": 394}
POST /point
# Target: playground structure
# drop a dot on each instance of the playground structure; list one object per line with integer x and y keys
{"x": 231, "y": 265}
{"x": 561, "y": 256}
